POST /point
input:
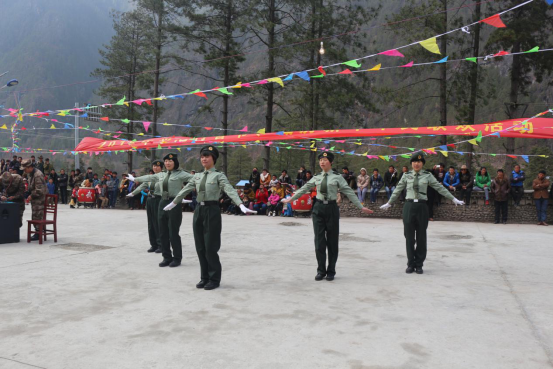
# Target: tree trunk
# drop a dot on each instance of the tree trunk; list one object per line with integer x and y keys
{"x": 473, "y": 78}
{"x": 270, "y": 88}
{"x": 512, "y": 107}
{"x": 443, "y": 75}
{"x": 226, "y": 82}
{"x": 156, "y": 73}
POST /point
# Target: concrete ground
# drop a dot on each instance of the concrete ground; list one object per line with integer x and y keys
{"x": 96, "y": 299}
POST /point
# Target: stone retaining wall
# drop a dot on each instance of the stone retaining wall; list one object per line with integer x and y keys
{"x": 476, "y": 212}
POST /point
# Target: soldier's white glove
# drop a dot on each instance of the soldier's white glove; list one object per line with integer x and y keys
{"x": 186, "y": 201}
{"x": 130, "y": 195}
{"x": 170, "y": 206}
{"x": 130, "y": 177}
{"x": 386, "y": 206}
{"x": 458, "y": 202}
{"x": 245, "y": 210}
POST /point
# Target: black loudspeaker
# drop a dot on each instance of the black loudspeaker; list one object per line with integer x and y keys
{"x": 9, "y": 222}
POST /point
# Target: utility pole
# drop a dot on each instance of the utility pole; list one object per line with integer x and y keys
{"x": 76, "y": 135}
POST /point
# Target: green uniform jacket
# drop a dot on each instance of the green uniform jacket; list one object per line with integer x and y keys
{"x": 215, "y": 183}
{"x": 177, "y": 178}
{"x": 155, "y": 190}
{"x": 425, "y": 179}
{"x": 335, "y": 183}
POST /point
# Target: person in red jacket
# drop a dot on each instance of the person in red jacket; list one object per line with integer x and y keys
{"x": 261, "y": 198}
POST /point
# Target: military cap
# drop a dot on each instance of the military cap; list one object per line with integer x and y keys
{"x": 418, "y": 156}
{"x": 327, "y": 155}
{"x": 26, "y": 163}
{"x": 158, "y": 163}
{"x": 6, "y": 179}
{"x": 210, "y": 150}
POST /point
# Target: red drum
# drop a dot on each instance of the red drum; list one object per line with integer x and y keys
{"x": 303, "y": 204}
{"x": 87, "y": 195}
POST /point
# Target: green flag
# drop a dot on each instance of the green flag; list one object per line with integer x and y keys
{"x": 351, "y": 63}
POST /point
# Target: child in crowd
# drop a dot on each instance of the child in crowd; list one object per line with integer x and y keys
{"x": 273, "y": 202}
{"x": 273, "y": 182}
{"x": 75, "y": 198}
{"x": 287, "y": 211}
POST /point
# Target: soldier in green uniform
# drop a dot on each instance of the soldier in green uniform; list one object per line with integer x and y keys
{"x": 37, "y": 191}
{"x": 152, "y": 207}
{"x": 415, "y": 211}
{"x": 207, "y": 215}
{"x": 326, "y": 214}
{"x": 169, "y": 222}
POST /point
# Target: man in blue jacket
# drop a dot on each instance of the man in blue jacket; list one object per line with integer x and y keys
{"x": 517, "y": 184}
{"x": 451, "y": 180}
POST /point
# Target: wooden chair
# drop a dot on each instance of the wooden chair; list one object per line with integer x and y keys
{"x": 50, "y": 207}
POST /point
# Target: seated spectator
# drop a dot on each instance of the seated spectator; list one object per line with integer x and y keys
{"x": 265, "y": 178}
{"x": 224, "y": 202}
{"x": 404, "y": 170}
{"x": 280, "y": 190}
{"x": 482, "y": 183}
{"x": 249, "y": 195}
{"x": 308, "y": 176}
{"x": 300, "y": 178}
{"x": 376, "y": 184}
{"x": 273, "y": 202}
{"x": 284, "y": 178}
{"x": 349, "y": 177}
{"x": 466, "y": 182}
{"x": 500, "y": 189}
{"x": 102, "y": 196}
{"x": 540, "y": 186}
{"x": 233, "y": 209}
{"x": 517, "y": 184}
{"x": 363, "y": 181}
{"x": 390, "y": 180}
{"x": 273, "y": 182}
{"x": 451, "y": 179}
{"x": 255, "y": 179}
{"x": 287, "y": 211}
{"x": 261, "y": 198}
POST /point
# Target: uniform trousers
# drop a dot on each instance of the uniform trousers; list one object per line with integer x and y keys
{"x": 152, "y": 208}
{"x": 415, "y": 223}
{"x": 326, "y": 224}
{"x": 169, "y": 225}
{"x": 207, "y": 226}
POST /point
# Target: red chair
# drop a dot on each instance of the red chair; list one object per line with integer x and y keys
{"x": 50, "y": 207}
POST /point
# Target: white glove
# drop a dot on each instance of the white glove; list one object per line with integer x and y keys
{"x": 186, "y": 201}
{"x": 386, "y": 206}
{"x": 130, "y": 195}
{"x": 170, "y": 206}
{"x": 458, "y": 202}
{"x": 245, "y": 210}
{"x": 130, "y": 177}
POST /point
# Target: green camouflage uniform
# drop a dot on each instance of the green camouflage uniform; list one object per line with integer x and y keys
{"x": 13, "y": 188}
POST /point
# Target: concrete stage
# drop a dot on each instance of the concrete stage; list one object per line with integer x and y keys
{"x": 96, "y": 299}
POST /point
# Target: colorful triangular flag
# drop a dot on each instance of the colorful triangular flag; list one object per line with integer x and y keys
{"x": 431, "y": 45}
{"x": 494, "y": 20}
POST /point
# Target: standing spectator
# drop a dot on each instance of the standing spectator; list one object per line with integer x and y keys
{"x": 33, "y": 161}
{"x": 95, "y": 180}
{"x": 404, "y": 170}
{"x": 47, "y": 166}
{"x": 451, "y": 179}
{"x": 51, "y": 186}
{"x": 15, "y": 165}
{"x": 103, "y": 196}
{"x": 112, "y": 184}
{"x": 308, "y": 176}
{"x": 466, "y": 182}
{"x": 255, "y": 179}
{"x": 483, "y": 183}
{"x": 89, "y": 175}
{"x": 40, "y": 164}
{"x": 349, "y": 177}
{"x": 284, "y": 178}
{"x": 390, "y": 181}
{"x": 265, "y": 178}
{"x": 261, "y": 198}
{"x": 540, "y": 186}
{"x": 71, "y": 179}
{"x": 500, "y": 188}
{"x": 300, "y": 178}
{"x": 517, "y": 184}
{"x": 363, "y": 181}
{"x": 55, "y": 177}
{"x": 79, "y": 177}
{"x": 124, "y": 188}
{"x": 62, "y": 182}
{"x": 376, "y": 183}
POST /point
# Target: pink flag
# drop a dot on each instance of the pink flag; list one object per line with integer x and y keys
{"x": 408, "y": 65}
{"x": 393, "y": 52}
{"x": 261, "y": 82}
{"x": 245, "y": 129}
{"x": 146, "y": 125}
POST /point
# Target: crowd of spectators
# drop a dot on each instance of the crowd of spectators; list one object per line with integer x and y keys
{"x": 264, "y": 190}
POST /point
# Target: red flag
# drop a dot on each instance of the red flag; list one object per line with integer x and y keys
{"x": 149, "y": 101}
{"x": 200, "y": 94}
{"x": 501, "y": 53}
{"x": 347, "y": 71}
{"x": 512, "y": 156}
{"x": 494, "y": 20}
{"x": 105, "y": 119}
{"x": 451, "y": 145}
{"x": 321, "y": 69}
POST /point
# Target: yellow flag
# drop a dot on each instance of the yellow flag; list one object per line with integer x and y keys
{"x": 178, "y": 149}
{"x": 473, "y": 142}
{"x": 431, "y": 45}
{"x": 4, "y": 127}
{"x": 261, "y": 131}
{"x": 444, "y": 153}
{"x": 277, "y": 80}
{"x": 238, "y": 85}
{"x": 375, "y": 68}
{"x": 52, "y": 126}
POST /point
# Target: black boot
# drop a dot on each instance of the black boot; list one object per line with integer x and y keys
{"x": 152, "y": 249}
{"x": 418, "y": 270}
{"x": 35, "y": 237}
{"x": 211, "y": 285}
{"x": 201, "y": 284}
{"x": 174, "y": 263}
{"x": 319, "y": 277}
{"x": 165, "y": 262}
{"x": 409, "y": 270}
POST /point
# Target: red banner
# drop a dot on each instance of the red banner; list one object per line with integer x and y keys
{"x": 533, "y": 128}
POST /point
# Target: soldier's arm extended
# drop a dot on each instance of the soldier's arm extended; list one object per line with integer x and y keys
{"x": 139, "y": 189}
{"x": 225, "y": 186}
{"x": 305, "y": 189}
{"x": 190, "y": 186}
{"x": 344, "y": 188}
{"x": 183, "y": 175}
{"x": 399, "y": 188}
{"x": 433, "y": 182}
{"x": 40, "y": 188}
{"x": 147, "y": 178}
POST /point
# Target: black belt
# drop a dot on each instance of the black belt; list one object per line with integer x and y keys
{"x": 326, "y": 202}
{"x": 415, "y": 200}
{"x": 204, "y": 203}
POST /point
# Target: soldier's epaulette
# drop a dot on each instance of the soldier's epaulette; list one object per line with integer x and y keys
{"x": 426, "y": 172}
{"x": 335, "y": 172}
